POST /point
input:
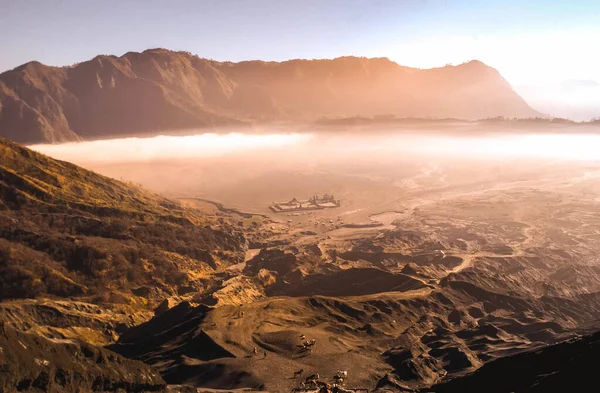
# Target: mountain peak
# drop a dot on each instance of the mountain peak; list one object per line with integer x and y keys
{"x": 474, "y": 63}
{"x": 30, "y": 66}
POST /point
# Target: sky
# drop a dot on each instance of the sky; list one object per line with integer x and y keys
{"x": 537, "y": 45}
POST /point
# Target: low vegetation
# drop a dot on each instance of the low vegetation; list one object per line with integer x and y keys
{"x": 68, "y": 232}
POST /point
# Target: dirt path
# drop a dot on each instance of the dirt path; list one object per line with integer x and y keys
{"x": 468, "y": 259}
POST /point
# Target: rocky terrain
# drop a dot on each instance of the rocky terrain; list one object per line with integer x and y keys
{"x": 160, "y": 90}
{"x": 67, "y": 233}
{"x": 443, "y": 315}
{"x": 449, "y": 286}
{"x": 30, "y": 363}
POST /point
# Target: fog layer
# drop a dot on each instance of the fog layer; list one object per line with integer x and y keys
{"x": 366, "y": 170}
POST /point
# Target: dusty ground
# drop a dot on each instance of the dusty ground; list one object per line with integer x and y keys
{"x": 432, "y": 267}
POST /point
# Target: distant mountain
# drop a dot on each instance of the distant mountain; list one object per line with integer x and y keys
{"x": 160, "y": 91}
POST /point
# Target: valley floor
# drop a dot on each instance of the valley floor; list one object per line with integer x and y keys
{"x": 426, "y": 273}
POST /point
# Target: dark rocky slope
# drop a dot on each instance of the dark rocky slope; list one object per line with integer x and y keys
{"x": 177, "y": 345}
{"x": 569, "y": 366}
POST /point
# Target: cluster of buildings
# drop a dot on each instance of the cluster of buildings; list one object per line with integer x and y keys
{"x": 314, "y": 203}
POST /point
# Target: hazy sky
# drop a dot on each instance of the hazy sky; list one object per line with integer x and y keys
{"x": 531, "y": 42}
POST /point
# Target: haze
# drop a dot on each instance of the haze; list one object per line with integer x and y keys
{"x": 250, "y": 171}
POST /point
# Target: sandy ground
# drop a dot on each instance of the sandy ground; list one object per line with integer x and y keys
{"x": 519, "y": 266}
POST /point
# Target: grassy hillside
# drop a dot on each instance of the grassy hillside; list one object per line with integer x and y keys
{"x": 30, "y": 363}
{"x": 69, "y": 232}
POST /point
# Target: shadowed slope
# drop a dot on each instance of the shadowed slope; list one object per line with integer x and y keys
{"x": 564, "y": 367}
{"x": 177, "y": 345}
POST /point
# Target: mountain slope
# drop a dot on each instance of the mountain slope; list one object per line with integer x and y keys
{"x": 29, "y": 363}
{"x": 160, "y": 90}
{"x": 66, "y": 231}
{"x": 565, "y": 367}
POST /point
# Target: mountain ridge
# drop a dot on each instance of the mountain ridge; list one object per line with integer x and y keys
{"x": 159, "y": 90}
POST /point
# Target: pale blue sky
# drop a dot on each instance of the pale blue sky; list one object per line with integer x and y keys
{"x": 531, "y": 41}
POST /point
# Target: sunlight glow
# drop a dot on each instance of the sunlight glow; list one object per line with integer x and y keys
{"x": 165, "y": 147}
{"x": 547, "y": 146}
{"x": 579, "y": 147}
{"x": 535, "y": 58}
